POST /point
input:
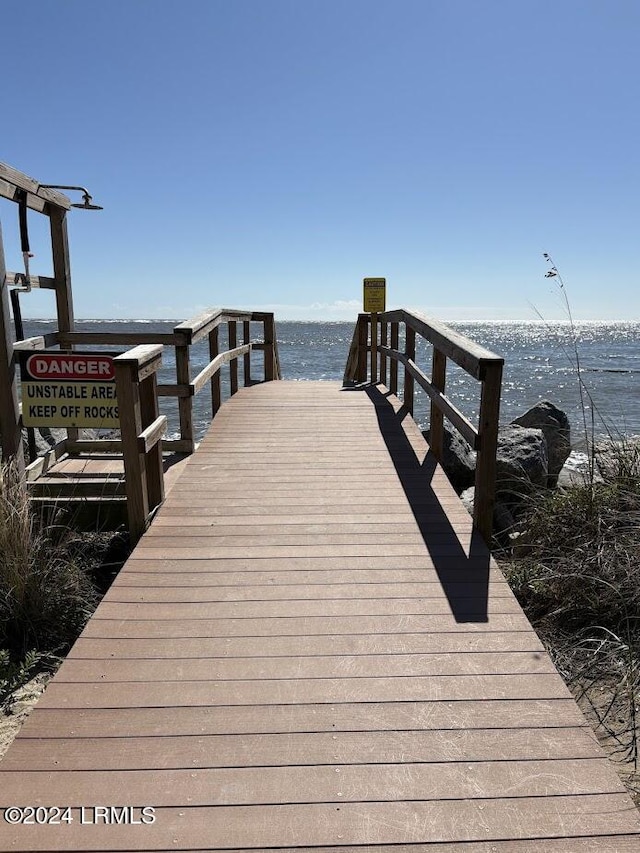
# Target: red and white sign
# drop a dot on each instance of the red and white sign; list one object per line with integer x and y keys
{"x": 59, "y": 367}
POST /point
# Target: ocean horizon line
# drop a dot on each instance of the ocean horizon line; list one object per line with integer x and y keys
{"x": 464, "y": 322}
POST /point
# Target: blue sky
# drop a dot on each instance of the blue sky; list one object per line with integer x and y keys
{"x": 271, "y": 153}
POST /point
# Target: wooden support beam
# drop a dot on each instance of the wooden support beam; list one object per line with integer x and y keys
{"x": 171, "y": 390}
{"x": 393, "y": 366}
{"x": 436, "y": 422}
{"x": 135, "y": 463}
{"x": 149, "y": 440}
{"x": 10, "y": 430}
{"x": 185, "y": 404}
{"x": 374, "y": 348}
{"x": 384, "y": 331}
{"x": 216, "y": 391}
{"x": 410, "y": 355}
{"x": 233, "y": 364}
{"x": 176, "y": 445}
{"x": 69, "y": 339}
{"x": 83, "y": 445}
{"x": 484, "y": 500}
{"x": 62, "y": 278}
{"x": 38, "y": 198}
{"x": 246, "y": 338}
{"x": 40, "y": 282}
{"x": 363, "y": 340}
{"x": 271, "y": 369}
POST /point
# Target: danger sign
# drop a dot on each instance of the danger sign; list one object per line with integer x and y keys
{"x": 76, "y": 367}
{"x": 68, "y": 390}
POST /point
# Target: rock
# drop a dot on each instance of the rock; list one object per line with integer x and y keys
{"x": 503, "y": 520}
{"x": 618, "y": 458}
{"x": 467, "y": 498}
{"x": 45, "y": 439}
{"x": 521, "y": 462}
{"x": 556, "y": 429}
{"x": 458, "y": 459}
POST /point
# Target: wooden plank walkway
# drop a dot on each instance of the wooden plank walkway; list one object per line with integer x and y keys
{"x": 309, "y": 650}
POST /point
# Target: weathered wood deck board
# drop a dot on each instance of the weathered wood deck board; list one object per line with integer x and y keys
{"x": 310, "y": 649}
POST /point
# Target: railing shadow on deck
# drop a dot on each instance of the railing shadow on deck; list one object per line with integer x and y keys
{"x": 455, "y": 565}
{"x": 370, "y": 337}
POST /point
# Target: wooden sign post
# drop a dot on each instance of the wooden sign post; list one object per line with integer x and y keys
{"x": 374, "y": 299}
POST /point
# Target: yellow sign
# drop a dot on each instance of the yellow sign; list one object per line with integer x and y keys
{"x": 375, "y": 295}
{"x": 70, "y": 404}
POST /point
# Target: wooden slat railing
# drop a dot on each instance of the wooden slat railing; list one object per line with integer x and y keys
{"x": 142, "y": 428}
{"x": 183, "y": 336}
{"x": 447, "y": 344}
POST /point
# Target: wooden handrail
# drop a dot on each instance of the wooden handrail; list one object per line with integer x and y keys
{"x": 196, "y": 328}
{"x": 181, "y": 338}
{"x": 216, "y": 364}
{"x": 443, "y": 404}
{"x": 150, "y": 436}
{"x": 479, "y": 362}
{"x": 465, "y": 352}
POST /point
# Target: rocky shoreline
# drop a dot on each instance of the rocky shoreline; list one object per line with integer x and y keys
{"x": 534, "y": 454}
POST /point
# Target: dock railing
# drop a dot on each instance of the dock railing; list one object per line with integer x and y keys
{"x": 379, "y": 335}
{"x": 142, "y": 428}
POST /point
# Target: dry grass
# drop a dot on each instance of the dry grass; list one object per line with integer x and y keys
{"x": 46, "y": 594}
{"x": 576, "y": 573}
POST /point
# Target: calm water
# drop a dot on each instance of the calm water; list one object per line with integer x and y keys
{"x": 539, "y": 365}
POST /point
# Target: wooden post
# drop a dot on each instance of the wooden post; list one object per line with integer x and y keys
{"x": 62, "y": 276}
{"x": 10, "y": 432}
{"x": 269, "y": 352}
{"x": 393, "y": 366}
{"x": 149, "y": 412}
{"x": 185, "y": 404}
{"x": 246, "y": 338}
{"x": 233, "y": 365}
{"x": 136, "y": 390}
{"x": 61, "y": 267}
{"x": 436, "y": 422}
{"x": 374, "y": 348}
{"x": 410, "y": 352}
{"x": 384, "y": 326}
{"x": 484, "y": 501}
{"x": 216, "y": 394}
{"x": 363, "y": 339}
{"x": 135, "y": 470}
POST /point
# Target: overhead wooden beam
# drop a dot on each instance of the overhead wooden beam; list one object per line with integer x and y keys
{"x": 38, "y": 197}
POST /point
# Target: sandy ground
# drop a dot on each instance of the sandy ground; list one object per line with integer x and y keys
{"x": 19, "y": 709}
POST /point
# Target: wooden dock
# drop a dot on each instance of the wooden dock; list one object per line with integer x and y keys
{"x": 311, "y": 649}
